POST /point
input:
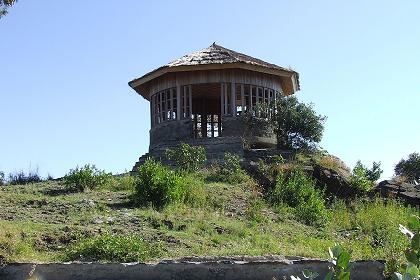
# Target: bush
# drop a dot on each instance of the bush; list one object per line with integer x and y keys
{"x": 298, "y": 191}
{"x": 229, "y": 171}
{"x": 112, "y": 248}
{"x": 188, "y": 158}
{"x": 158, "y": 186}
{"x": 1, "y": 178}
{"x": 20, "y": 178}
{"x": 86, "y": 177}
{"x": 296, "y": 124}
{"x": 363, "y": 179}
{"x": 409, "y": 168}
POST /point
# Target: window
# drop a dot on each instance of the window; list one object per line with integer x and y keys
{"x": 163, "y": 106}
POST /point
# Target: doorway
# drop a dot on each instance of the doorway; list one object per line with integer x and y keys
{"x": 206, "y": 116}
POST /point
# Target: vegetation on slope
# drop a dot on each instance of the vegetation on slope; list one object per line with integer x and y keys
{"x": 47, "y": 221}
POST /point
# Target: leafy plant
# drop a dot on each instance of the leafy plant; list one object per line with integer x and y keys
{"x": 340, "y": 258}
{"x": 231, "y": 170}
{"x": 409, "y": 168}
{"x": 86, "y": 177}
{"x": 412, "y": 254}
{"x": 158, "y": 185}
{"x": 363, "y": 179}
{"x": 188, "y": 158}
{"x": 298, "y": 191}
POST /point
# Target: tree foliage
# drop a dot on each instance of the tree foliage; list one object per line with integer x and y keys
{"x": 4, "y": 5}
{"x": 297, "y": 125}
{"x": 409, "y": 168}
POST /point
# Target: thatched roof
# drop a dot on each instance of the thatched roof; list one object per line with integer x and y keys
{"x": 213, "y": 55}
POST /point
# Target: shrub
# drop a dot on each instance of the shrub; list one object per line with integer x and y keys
{"x": 409, "y": 168}
{"x": 229, "y": 171}
{"x": 158, "y": 185}
{"x": 298, "y": 191}
{"x": 20, "y": 178}
{"x": 1, "y": 178}
{"x": 297, "y": 125}
{"x": 363, "y": 179}
{"x": 188, "y": 158}
{"x": 112, "y": 248}
{"x": 86, "y": 177}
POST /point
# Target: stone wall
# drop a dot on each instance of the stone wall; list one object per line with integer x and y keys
{"x": 257, "y": 268}
{"x": 181, "y": 130}
{"x": 259, "y": 135}
{"x": 215, "y": 149}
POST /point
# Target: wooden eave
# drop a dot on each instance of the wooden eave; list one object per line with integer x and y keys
{"x": 290, "y": 77}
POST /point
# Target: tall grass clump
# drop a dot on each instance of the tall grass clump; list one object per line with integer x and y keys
{"x": 113, "y": 248}
{"x": 298, "y": 191}
{"x": 376, "y": 222}
{"x": 121, "y": 183}
{"x": 86, "y": 177}
{"x": 158, "y": 186}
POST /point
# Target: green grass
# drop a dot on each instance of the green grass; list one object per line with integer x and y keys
{"x": 43, "y": 222}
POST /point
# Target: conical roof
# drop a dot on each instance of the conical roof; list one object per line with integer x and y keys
{"x": 215, "y": 55}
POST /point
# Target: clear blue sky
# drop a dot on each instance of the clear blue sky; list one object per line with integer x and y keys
{"x": 64, "y": 68}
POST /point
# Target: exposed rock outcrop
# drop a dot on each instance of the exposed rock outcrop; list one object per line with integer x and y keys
{"x": 336, "y": 184}
{"x": 408, "y": 193}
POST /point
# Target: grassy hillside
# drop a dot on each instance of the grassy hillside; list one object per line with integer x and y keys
{"x": 46, "y": 222}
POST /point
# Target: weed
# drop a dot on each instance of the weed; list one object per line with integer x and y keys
{"x": 86, "y": 177}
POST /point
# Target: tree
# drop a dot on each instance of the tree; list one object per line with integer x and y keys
{"x": 297, "y": 125}
{"x": 4, "y": 5}
{"x": 409, "y": 168}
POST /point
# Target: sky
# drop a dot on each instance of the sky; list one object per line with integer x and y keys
{"x": 64, "y": 68}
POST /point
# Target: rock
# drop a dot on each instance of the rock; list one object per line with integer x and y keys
{"x": 408, "y": 193}
{"x": 98, "y": 221}
{"x": 334, "y": 182}
{"x": 88, "y": 202}
{"x": 110, "y": 220}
